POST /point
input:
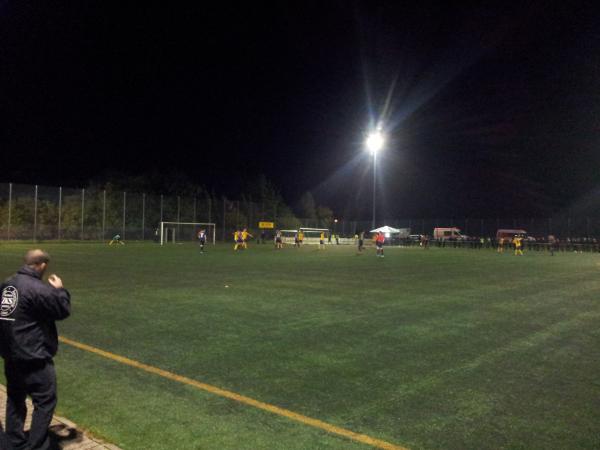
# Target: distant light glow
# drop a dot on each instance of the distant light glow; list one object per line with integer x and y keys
{"x": 387, "y": 235}
{"x": 375, "y": 142}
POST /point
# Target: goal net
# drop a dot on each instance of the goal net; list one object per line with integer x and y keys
{"x": 310, "y": 235}
{"x": 181, "y": 232}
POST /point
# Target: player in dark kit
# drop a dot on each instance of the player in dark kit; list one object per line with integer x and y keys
{"x": 202, "y": 239}
{"x": 296, "y": 240}
{"x": 278, "y": 240}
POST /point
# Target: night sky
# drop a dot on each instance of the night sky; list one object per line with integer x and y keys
{"x": 489, "y": 111}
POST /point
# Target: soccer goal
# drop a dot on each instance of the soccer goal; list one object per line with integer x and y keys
{"x": 180, "y": 232}
{"x": 311, "y": 235}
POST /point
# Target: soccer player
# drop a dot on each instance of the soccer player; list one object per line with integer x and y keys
{"x": 518, "y": 241}
{"x": 116, "y": 240}
{"x": 202, "y": 239}
{"x": 245, "y": 236}
{"x": 425, "y": 241}
{"x": 278, "y": 241}
{"x": 361, "y": 241}
{"x": 379, "y": 240}
{"x": 300, "y": 237}
{"x": 501, "y": 245}
{"x": 322, "y": 240}
{"x": 237, "y": 238}
{"x": 554, "y": 244}
{"x": 296, "y": 240}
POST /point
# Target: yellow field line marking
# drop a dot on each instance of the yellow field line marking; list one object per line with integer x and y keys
{"x": 363, "y": 438}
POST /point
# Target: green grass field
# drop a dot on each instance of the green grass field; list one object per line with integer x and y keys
{"x": 438, "y": 349}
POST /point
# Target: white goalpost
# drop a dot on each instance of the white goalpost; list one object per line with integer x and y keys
{"x": 311, "y": 235}
{"x": 179, "y": 232}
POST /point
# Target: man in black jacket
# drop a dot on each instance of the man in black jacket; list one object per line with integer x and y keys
{"x": 29, "y": 308}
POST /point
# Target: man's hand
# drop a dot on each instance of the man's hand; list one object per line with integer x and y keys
{"x": 55, "y": 281}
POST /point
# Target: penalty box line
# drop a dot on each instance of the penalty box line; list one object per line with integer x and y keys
{"x": 315, "y": 423}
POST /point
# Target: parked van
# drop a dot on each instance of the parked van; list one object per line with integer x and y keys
{"x": 448, "y": 234}
{"x": 509, "y": 234}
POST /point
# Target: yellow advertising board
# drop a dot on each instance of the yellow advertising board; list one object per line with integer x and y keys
{"x": 263, "y": 225}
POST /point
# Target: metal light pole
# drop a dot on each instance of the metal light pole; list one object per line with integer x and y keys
{"x": 374, "y": 144}
{"x": 373, "y": 225}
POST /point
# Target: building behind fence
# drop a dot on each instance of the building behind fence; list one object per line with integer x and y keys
{"x": 31, "y": 212}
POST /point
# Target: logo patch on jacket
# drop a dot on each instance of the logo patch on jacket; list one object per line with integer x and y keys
{"x": 10, "y": 300}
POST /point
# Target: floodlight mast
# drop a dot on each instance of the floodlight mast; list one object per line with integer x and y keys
{"x": 374, "y": 144}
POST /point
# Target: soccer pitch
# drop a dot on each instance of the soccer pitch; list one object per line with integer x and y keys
{"x": 436, "y": 349}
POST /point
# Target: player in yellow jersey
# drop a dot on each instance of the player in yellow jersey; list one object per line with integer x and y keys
{"x": 300, "y": 237}
{"x": 116, "y": 240}
{"x": 245, "y": 236}
{"x": 518, "y": 241}
{"x": 322, "y": 240}
{"x": 237, "y": 238}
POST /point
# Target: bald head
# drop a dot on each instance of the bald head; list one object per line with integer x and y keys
{"x": 35, "y": 258}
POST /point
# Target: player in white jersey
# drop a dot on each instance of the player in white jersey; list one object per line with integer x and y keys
{"x": 202, "y": 239}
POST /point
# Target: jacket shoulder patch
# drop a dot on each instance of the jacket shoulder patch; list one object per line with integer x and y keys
{"x": 10, "y": 300}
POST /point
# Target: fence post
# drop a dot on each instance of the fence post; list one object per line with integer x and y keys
{"x": 82, "y": 211}
{"x": 9, "y": 210}
{"x": 124, "y": 212}
{"x": 35, "y": 213}
{"x": 143, "y": 214}
{"x": 178, "y": 215}
{"x": 224, "y": 213}
{"x": 161, "y": 208}
{"x": 104, "y": 215}
{"x": 250, "y": 221}
{"x": 59, "y": 211}
{"x": 587, "y": 227}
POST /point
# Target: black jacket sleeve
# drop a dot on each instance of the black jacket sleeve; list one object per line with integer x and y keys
{"x": 53, "y": 303}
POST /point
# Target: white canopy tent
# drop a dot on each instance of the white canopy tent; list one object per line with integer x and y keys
{"x": 386, "y": 230}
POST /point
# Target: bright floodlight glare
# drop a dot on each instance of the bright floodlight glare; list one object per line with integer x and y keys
{"x": 374, "y": 142}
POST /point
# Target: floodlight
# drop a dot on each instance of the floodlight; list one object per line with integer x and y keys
{"x": 375, "y": 142}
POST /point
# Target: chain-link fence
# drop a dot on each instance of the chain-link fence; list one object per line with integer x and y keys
{"x": 565, "y": 227}
{"x": 31, "y": 212}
